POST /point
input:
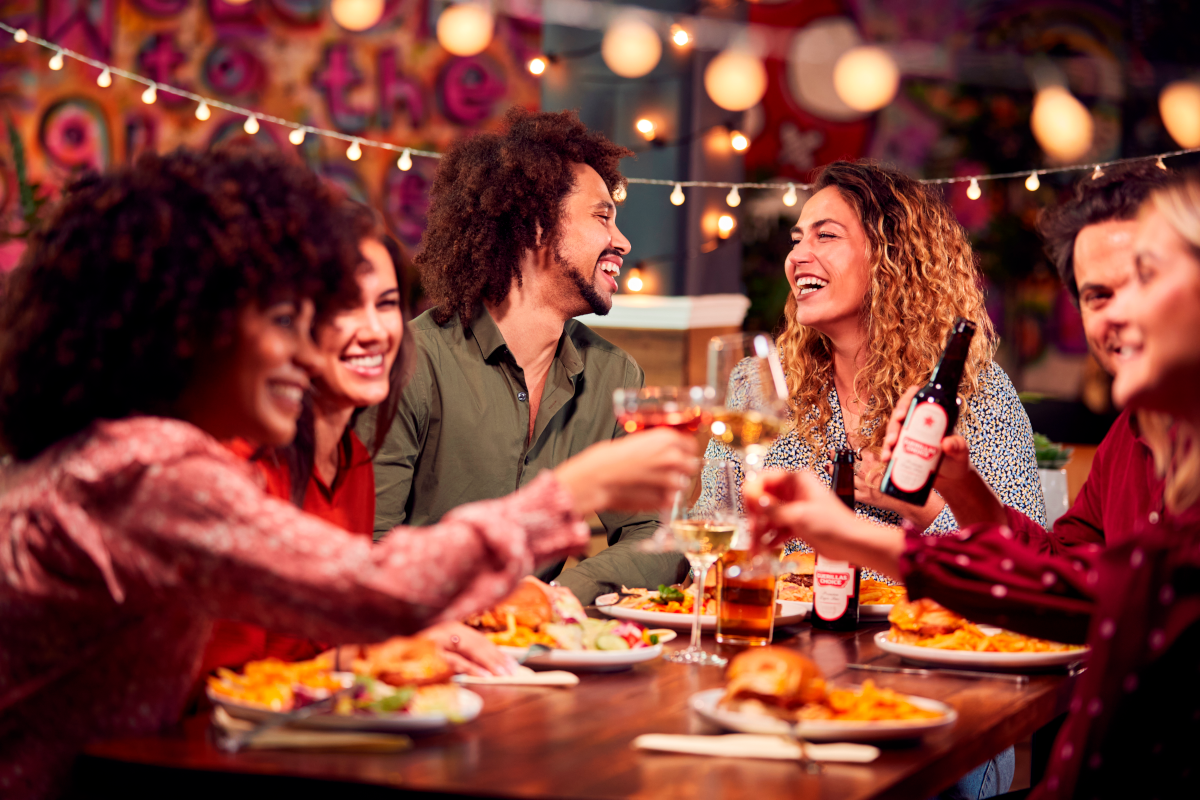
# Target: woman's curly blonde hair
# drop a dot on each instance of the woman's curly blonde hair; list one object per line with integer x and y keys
{"x": 923, "y": 275}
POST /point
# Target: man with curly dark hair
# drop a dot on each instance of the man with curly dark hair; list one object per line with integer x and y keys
{"x": 522, "y": 238}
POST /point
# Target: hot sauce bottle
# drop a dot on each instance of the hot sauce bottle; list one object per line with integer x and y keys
{"x": 836, "y": 583}
{"x": 932, "y": 415}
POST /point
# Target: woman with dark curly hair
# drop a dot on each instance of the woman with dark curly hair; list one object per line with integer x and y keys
{"x": 160, "y": 308}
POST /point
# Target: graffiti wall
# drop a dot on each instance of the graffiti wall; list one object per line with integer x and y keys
{"x": 286, "y": 58}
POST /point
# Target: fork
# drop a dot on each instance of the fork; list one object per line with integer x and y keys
{"x": 534, "y": 651}
{"x": 233, "y": 743}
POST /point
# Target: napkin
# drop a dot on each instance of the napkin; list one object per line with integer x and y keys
{"x": 747, "y": 745}
{"x": 284, "y": 738}
{"x": 524, "y": 677}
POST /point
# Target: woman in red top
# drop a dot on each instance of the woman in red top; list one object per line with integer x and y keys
{"x": 1134, "y": 723}
{"x": 363, "y": 360}
{"x": 160, "y": 309}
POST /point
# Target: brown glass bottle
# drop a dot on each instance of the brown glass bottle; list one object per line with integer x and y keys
{"x": 931, "y": 416}
{"x": 836, "y": 583}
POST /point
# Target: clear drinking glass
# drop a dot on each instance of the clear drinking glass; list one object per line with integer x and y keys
{"x": 750, "y": 394}
{"x": 684, "y": 408}
{"x": 703, "y": 530}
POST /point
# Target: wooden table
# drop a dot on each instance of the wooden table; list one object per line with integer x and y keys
{"x": 575, "y": 743}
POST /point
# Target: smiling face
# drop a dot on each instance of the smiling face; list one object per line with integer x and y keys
{"x": 589, "y": 250}
{"x": 1158, "y": 366}
{"x": 828, "y": 269}
{"x": 253, "y": 388}
{"x": 357, "y": 347}
{"x": 1103, "y": 259}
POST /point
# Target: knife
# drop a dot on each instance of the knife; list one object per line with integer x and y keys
{"x": 1020, "y": 680}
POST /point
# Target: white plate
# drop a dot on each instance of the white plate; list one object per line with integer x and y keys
{"x": 971, "y": 658}
{"x": 705, "y": 704}
{"x": 469, "y": 703}
{"x": 588, "y": 660}
{"x": 787, "y": 612}
{"x": 874, "y": 612}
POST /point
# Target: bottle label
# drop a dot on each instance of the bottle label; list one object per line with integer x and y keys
{"x": 920, "y": 444}
{"x": 833, "y": 586}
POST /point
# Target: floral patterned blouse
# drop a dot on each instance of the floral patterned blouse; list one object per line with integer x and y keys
{"x": 994, "y": 423}
{"x": 123, "y": 543}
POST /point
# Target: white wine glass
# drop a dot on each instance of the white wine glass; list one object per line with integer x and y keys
{"x": 746, "y": 376}
{"x": 702, "y": 529}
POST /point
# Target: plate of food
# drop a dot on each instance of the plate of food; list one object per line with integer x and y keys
{"x": 673, "y": 607}
{"x": 876, "y": 598}
{"x": 925, "y": 632}
{"x": 539, "y": 614}
{"x": 399, "y": 686}
{"x": 771, "y": 689}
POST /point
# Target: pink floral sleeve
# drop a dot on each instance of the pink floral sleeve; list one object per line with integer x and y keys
{"x": 198, "y": 528}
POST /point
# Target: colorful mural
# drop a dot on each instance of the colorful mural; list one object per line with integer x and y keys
{"x": 286, "y": 58}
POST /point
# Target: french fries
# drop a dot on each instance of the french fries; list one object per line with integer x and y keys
{"x": 866, "y": 703}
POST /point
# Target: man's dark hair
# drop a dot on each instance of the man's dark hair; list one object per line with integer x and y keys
{"x": 491, "y": 195}
{"x": 1115, "y": 195}
{"x": 138, "y": 272}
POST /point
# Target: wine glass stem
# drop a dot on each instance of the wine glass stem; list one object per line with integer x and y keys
{"x": 701, "y": 570}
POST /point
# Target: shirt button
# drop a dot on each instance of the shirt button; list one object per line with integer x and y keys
{"x": 1153, "y": 517}
{"x": 522, "y": 396}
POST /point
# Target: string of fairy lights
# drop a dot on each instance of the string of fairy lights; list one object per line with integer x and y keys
{"x": 354, "y": 151}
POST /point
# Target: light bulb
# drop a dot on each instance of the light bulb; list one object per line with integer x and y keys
{"x": 1061, "y": 124}
{"x": 296, "y": 137}
{"x": 1161, "y": 165}
{"x": 150, "y": 95}
{"x": 1032, "y": 183}
{"x": 735, "y": 80}
{"x": 56, "y": 61}
{"x": 356, "y": 15}
{"x": 646, "y": 128}
{"x": 465, "y": 29}
{"x": 679, "y": 36}
{"x": 677, "y": 197}
{"x": 251, "y": 125}
{"x": 634, "y": 283}
{"x": 354, "y": 152}
{"x": 866, "y": 78}
{"x": 203, "y": 112}
{"x": 1097, "y": 172}
{"x": 404, "y": 162}
{"x": 725, "y": 226}
{"x": 733, "y": 198}
{"x": 973, "y": 191}
{"x": 537, "y": 65}
{"x": 105, "y": 79}
{"x": 620, "y": 193}
{"x": 1179, "y": 106}
{"x": 21, "y": 36}
{"x": 631, "y": 47}
{"x": 789, "y": 197}
{"x": 738, "y": 141}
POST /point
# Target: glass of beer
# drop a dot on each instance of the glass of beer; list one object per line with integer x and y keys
{"x": 745, "y": 600}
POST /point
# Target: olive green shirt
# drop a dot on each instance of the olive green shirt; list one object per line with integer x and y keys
{"x": 461, "y": 434}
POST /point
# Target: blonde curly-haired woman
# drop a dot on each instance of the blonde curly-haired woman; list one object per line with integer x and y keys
{"x": 878, "y": 271}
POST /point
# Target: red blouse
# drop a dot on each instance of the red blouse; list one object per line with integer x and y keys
{"x": 124, "y": 542}
{"x": 1121, "y": 490}
{"x": 349, "y": 504}
{"x": 1134, "y": 723}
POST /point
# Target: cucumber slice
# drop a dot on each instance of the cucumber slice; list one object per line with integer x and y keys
{"x": 610, "y": 642}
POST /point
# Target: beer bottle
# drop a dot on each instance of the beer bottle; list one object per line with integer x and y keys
{"x": 932, "y": 415}
{"x": 836, "y": 583}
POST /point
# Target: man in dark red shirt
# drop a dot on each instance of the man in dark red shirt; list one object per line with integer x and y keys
{"x": 1090, "y": 240}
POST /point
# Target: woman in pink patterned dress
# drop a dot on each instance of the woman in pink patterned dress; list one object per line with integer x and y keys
{"x": 161, "y": 308}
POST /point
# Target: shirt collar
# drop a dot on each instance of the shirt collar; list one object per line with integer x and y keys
{"x": 490, "y": 340}
{"x": 487, "y": 334}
